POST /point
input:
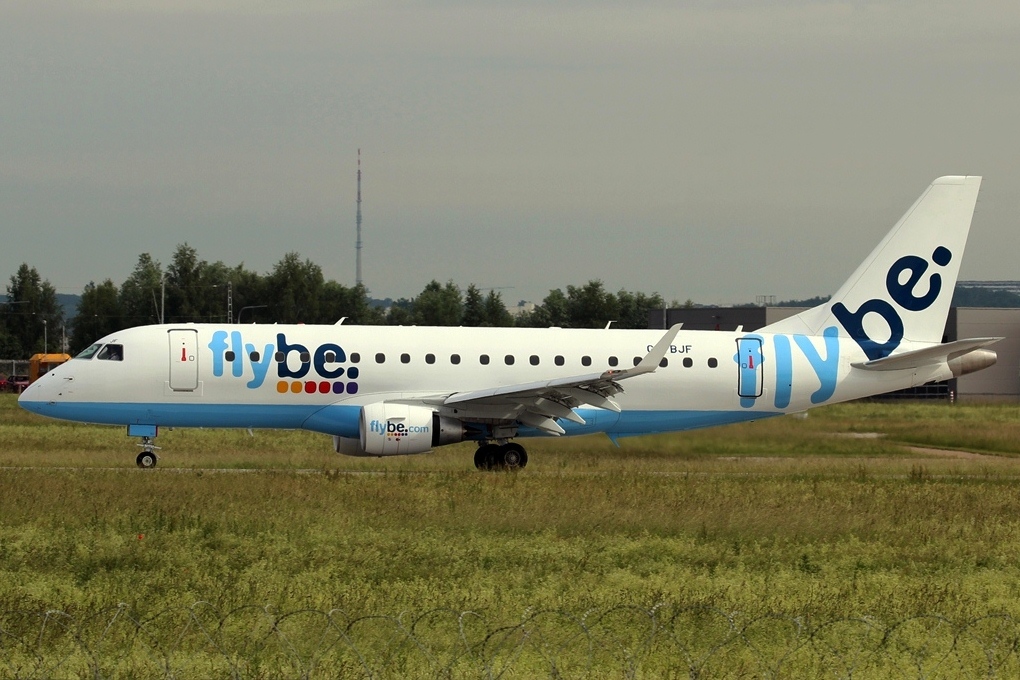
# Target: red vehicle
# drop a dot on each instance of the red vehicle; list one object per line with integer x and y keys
{"x": 16, "y": 383}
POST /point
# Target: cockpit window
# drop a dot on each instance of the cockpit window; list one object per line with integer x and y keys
{"x": 111, "y": 353}
{"x": 89, "y": 351}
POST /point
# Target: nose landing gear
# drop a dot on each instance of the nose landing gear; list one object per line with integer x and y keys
{"x": 147, "y": 458}
{"x": 509, "y": 456}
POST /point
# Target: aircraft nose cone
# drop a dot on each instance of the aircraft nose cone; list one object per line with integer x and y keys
{"x": 29, "y": 399}
{"x": 37, "y": 396}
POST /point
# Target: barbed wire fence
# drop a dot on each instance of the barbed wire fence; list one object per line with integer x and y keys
{"x": 625, "y": 641}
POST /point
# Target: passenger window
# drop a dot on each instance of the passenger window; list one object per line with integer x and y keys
{"x": 662, "y": 364}
{"x": 586, "y": 361}
{"x": 534, "y": 360}
{"x": 380, "y": 358}
{"x": 280, "y": 357}
{"x": 558, "y": 360}
{"x": 254, "y": 356}
{"x": 405, "y": 358}
{"x": 228, "y": 355}
{"x": 355, "y": 358}
{"x": 613, "y": 361}
{"x": 688, "y": 362}
{"x": 430, "y": 358}
{"x": 305, "y": 357}
{"x": 111, "y": 353}
{"x": 455, "y": 359}
{"x": 509, "y": 359}
{"x": 484, "y": 359}
{"x": 330, "y": 357}
{"x": 637, "y": 360}
{"x": 713, "y": 362}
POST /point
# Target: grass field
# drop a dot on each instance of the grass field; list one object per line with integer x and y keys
{"x": 843, "y": 515}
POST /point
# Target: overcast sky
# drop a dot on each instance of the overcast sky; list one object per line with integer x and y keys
{"x": 710, "y": 150}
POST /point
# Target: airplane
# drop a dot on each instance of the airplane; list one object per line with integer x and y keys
{"x": 383, "y": 391}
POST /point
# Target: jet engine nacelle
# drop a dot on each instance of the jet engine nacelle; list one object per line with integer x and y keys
{"x": 972, "y": 361}
{"x": 399, "y": 430}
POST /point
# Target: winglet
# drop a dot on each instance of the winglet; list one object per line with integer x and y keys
{"x": 650, "y": 362}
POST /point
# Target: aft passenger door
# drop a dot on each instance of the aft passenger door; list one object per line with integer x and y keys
{"x": 750, "y": 379}
{"x": 183, "y": 360}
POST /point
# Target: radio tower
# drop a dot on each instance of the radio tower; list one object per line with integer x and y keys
{"x": 357, "y": 245}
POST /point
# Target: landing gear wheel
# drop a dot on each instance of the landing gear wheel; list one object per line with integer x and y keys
{"x": 146, "y": 459}
{"x": 487, "y": 456}
{"x": 514, "y": 456}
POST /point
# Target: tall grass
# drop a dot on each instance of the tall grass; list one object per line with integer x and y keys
{"x": 26, "y": 439}
{"x": 776, "y": 517}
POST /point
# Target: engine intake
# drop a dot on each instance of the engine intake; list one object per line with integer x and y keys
{"x": 398, "y": 430}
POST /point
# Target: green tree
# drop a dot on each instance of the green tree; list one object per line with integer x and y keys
{"x": 250, "y": 297}
{"x": 496, "y": 313}
{"x": 182, "y": 280}
{"x": 294, "y": 290}
{"x": 591, "y": 305}
{"x": 439, "y": 305}
{"x": 9, "y": 346}
{"x": 633, "y": 309}
{"x": 140, "y": 295}
{"x": 99, "y": 314}
{"x": 552, "y": 312}
{"x": 339, "y": 301}
{"x": 33, "y": 315}
{"x": 400, "y": 313}
{"x": 196, "y": 290}
{"x": 474, "y": 307}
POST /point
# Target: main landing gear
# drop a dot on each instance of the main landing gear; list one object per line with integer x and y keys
{"x": 147, "y": 458}
{"x": 509, "y": 456}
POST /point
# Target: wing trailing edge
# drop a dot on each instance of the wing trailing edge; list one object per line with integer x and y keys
{"x": 539, "y": 404}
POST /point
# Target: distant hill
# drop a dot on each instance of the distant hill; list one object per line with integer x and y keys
{"x": 810, "y": 302}
{"x": 69, "y": 303}
{"x": 963, "y": 296}
{"x": 984, "y": 297}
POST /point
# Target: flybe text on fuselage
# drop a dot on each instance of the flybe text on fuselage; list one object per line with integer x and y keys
{"x": 329, "y": 376}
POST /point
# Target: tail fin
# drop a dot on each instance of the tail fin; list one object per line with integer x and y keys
{"x": 903, "y": 289}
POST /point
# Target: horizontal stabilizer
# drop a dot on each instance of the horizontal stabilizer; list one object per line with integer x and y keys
{"x": 928, "y": 356}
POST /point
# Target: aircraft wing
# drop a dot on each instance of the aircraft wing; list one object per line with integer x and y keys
{"x": 540, "y": 403}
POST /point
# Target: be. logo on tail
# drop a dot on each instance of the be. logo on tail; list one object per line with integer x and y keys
{"x": 903, "y": 293}
{"x": 907, "y": 293}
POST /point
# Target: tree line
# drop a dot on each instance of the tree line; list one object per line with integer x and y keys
{"x": 190, "y": 289}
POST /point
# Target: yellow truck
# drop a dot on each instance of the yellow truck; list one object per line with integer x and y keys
{"x": 39, "y": 364}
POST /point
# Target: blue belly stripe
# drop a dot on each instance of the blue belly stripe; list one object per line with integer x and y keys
{"x": 340, "y": 419}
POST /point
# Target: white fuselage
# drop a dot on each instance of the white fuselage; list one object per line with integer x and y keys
{"x": 212, "y": 375}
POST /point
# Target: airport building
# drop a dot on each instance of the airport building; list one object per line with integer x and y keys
{"x": 1000, "y": 382}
